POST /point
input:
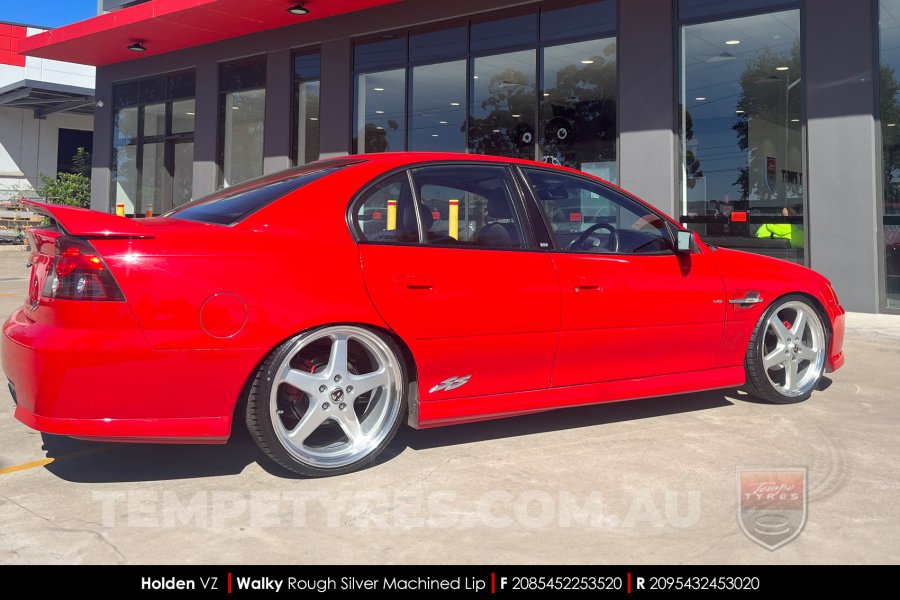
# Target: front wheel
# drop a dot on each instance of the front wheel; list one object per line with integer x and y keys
{"x": 328, "y": 401}
{"x": 786, "y": 355}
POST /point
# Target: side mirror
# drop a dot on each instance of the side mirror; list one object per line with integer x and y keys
{"x": 685, "y": 241}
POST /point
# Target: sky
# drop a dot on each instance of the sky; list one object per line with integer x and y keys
{"x": 50, "y": 13}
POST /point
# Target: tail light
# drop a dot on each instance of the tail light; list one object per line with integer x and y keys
{"x": 78, "y": 273}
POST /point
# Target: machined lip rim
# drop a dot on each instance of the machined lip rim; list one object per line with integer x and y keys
{"x": 792, "y": 349}
{"x": 363, "y": 435}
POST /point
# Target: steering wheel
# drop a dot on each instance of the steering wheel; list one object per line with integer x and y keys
{"x": 612, "y": 245}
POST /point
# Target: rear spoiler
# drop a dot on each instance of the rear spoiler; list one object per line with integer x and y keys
{"x": 90, "y": 223}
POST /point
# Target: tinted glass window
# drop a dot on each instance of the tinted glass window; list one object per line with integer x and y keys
{"x": 469, "y": 205}
{"x": 376, "y": 55}
{"x": 578, "y": 21}
{"x": 587, "y": 217}
{"x": 307, "y": 66}
{"x": 448, "y": 43}
{"x": 504, "y": 33}
{"x": 230, "y": 206}
{"x": 242, "y": 75}
{"x": 387, "y": 213}
{"x": 701, "y": 9}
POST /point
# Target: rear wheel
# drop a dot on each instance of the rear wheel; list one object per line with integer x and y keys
{"x": 328, "y": 401}
{"x": 786, "y": 356}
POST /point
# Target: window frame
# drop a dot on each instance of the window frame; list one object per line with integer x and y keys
{"x": 671, "y": 225}
{"x": 532, "y": 238}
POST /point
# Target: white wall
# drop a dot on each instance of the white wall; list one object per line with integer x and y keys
{"x": 29, "y": 146}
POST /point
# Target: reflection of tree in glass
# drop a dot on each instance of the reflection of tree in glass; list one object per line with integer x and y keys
{"x": 691, "y": 162}
{"x": 510, "y": 92}
{"x": 579, "y": 112}
{"x": 376, "y": 138}
{"x": 766, "y": 95}
{"x": 890, "y": 123}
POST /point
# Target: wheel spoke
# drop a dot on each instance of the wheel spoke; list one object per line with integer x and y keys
{"x": 779, "y": 329}
{"x": 799, "y": 325}
{"x": 775, "y": 357}
{"x": 305, "y": 382}
{"x": 311, "y": 421}
{"x": 349, "y": 422}
{"x": 790, "y": 374}
{"x": 337, "y": 361}
{"x": 808, "y": 354}
{"x": 369, "y": 381}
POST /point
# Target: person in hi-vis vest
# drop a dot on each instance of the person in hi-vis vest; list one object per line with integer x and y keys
{"x": 783, "y": 231}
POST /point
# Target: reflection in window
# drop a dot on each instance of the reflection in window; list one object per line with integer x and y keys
{"x": 387, "y": 213}
{"x": 587, "y": 217}
{"x": 741, "y": 173}
{"x": 468, "y": 205}
{"x": 578, "y": 107}
{"x": 503, "y": 105}
{"x": 381, "y": 112}
{"x": 153, "y": 130}
{"x": 889, "y": 23}
{"x": 306, "y": 108}
{"x": 437, "y": 119}
{"x": 242, "y": 111}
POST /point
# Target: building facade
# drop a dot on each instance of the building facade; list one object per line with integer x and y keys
{"x": 766, "y": 125}
{"x": 46, "y": 109}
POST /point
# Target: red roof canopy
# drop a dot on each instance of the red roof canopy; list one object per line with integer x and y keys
{"x": 169, "y": 25}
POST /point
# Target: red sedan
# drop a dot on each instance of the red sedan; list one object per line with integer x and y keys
{"x": 327, "y": 304}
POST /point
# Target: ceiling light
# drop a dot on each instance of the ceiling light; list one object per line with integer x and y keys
{"x": 795, "y": 120}
{"x": 434, "y": 135}
{"x": 516, "y": 116}
{"x": 546, "y": 94}
{"x": 235, "y": 108}
{"x": 379, "y": 112}
{"x": 299, "y": 10}
{"x": 700, "y": 98}
{"x": 475, "y": 77}
{"x": 496, "y": 131}
{"x": 892, "y": 125}
{"x": 587, "y": 61}
{"x": 443, "y": 122}
{"x": 733, "y": 42}
{"x": 738, "y": 112}
{"x": 137, "y": 47}
{"x": 314, "y": 118}
{"x": 781, "y": 68}
{"x": 380, "y": 128}
{"x": 454, "y": 104}
{"x": 190, "y": 114}
{"x": 378, "y": 89}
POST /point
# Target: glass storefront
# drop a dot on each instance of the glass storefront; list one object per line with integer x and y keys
{"x": 242, "y": 111}
{"x": 889, "y": 25}
{"x": 741, "y": 174}
{"x": 153, "y": 153}
{"x": 305, "y": 141}
{"x": 540, "y": 85}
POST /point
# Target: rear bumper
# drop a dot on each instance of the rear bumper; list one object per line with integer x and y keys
{"x": 109, "y": 384}
{"x": 836, "y": 349}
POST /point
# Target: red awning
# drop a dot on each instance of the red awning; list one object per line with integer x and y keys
{"x": 168, "y": 25}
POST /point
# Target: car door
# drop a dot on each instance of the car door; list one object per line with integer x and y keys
{"x": 631, "y": 306}
{"x": 447, "y": 260}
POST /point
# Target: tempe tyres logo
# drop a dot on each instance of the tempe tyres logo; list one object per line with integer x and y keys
{"x": 772, "y": 504}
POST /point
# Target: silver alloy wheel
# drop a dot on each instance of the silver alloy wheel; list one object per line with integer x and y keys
{"x": 342, "y": 411}
{"x": 793, "y": 349}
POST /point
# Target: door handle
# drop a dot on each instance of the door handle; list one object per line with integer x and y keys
{"x": 412, "y": 284}
{"x": 584, "y": 284}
